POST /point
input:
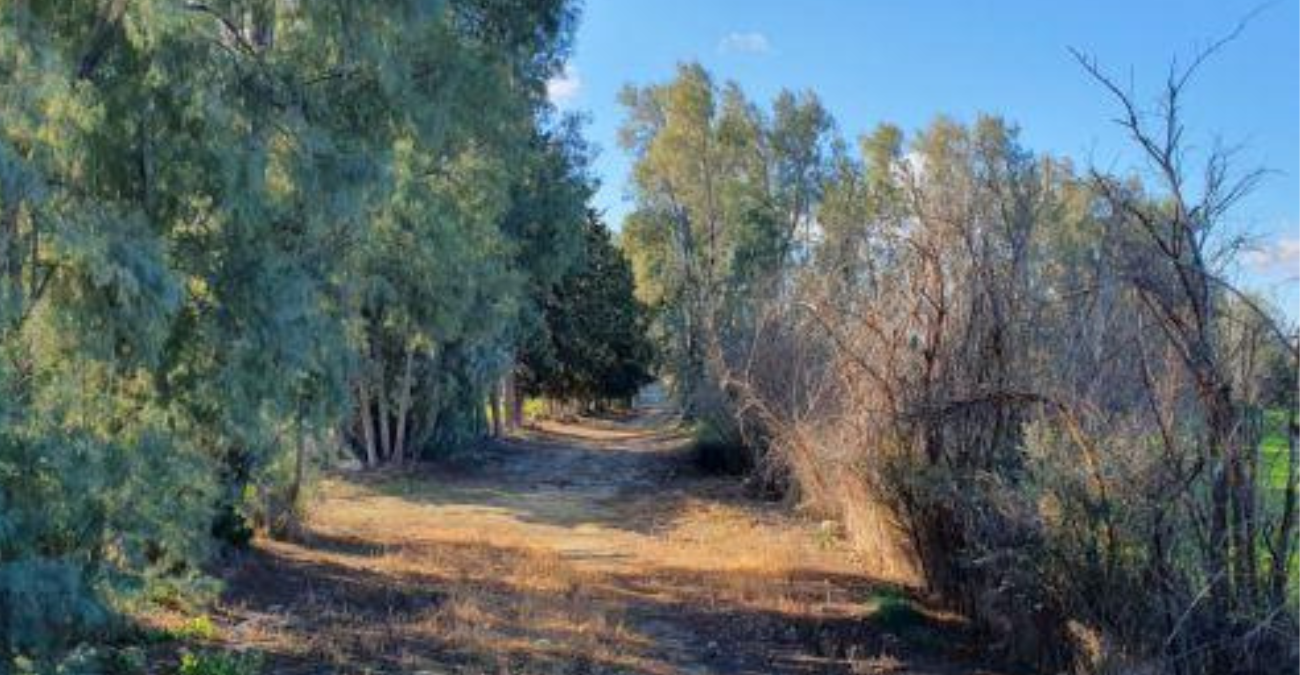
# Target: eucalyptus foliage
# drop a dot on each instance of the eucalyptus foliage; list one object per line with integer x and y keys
{"x": 222, "y": 222}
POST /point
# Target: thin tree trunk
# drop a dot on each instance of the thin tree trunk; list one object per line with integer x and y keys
{"x": 494, "y": 409}
{"x": 385, "y": 428}
{"x": 404, "y": 405}
{"x": 1248, "y": 476}
{"x": 100, "y": 38}
{"x": 367, "y": 424}
{"x": 305, "y": 442}
{"x": 10, "y": 255}
{"x": 514, "y": 405}
{"x": 1223, "y": 459}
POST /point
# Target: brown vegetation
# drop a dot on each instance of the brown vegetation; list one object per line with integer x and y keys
{"x": 585, "y": 548}
{"x": 1038, "y": 387}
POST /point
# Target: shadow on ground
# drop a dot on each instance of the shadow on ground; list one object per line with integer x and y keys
{"x": 588, "y": 548}
{"x": 313, "y": 614}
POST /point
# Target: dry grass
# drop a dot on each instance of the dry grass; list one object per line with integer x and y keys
{"x": 583, "y": 549}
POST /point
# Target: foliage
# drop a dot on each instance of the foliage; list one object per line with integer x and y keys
{"x": 220, "y": 663}
{"x": 231, "y": 230}
{"x": 725, "y": 196}
{"x": 197, "y": 628}
{"x": 592, "y": 343}
{"x": 1027, "y": 387}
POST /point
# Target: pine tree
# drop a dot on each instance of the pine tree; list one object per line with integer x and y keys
{"x": 592, "y": 347}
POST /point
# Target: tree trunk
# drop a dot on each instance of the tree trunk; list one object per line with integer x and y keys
{"x": 385, "y": 429}
{"x": 305, "y": 442}
{"x": 1223, "y": 458}
{"x": 367, "y": 424}
{"x": 404, "y": 406}
{"x": 494, "y": 409}
{"x": 514, "y": 403}
{"x": 10, "y": 254}
{"x": 1250, "y": 430}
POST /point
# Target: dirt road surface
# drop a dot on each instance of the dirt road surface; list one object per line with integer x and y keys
{"x": 590, "y": 547}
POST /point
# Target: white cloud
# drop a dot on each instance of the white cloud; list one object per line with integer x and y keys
{"x": 745, "y": 43}
{"x": 1282, "y": 255}
{"x": 564, "y": 87}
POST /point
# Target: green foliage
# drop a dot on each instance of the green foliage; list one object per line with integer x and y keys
{"x": 220, "y": 663}
{"x": 84, "y": 659}
{"x": 725, "y": 197}
{"x": 215, "y": 221}
{"x": 126, "y": 661}
{"x": 41, "y": 600}
{"x": 592, "y": 344}
{"x": 890, "y": 609}
{"x": 198, "y": 628}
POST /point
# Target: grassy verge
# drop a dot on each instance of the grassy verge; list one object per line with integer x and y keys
{"x": 1273, "y": 450}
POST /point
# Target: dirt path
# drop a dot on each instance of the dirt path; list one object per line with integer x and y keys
{"x": 586, "y": 548}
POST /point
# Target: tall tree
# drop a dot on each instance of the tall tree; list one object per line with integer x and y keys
{"x": 229, "y": 229}
{"x": 593, "y": 347}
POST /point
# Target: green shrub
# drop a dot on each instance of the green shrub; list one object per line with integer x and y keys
{"x": 84, "y": 659}
{"x": 198, "y": 628}
{"x": 720, "y": 451}
{"x": 894, "y": 611}
{"x": 126, "y": 661}
{"x": 43, "y": 600}
{"x": 220, "y": 663}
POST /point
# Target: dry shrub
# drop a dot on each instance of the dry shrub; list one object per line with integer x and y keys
{"x": 1002, "y": 405}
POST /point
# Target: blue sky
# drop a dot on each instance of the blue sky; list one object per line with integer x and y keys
{"x": 875, "y": 61}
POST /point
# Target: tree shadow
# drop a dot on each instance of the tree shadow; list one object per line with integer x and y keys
{"x": 355, "y": 601}
{"x": 320, "y": 612}
{"x": 555, "y": 479}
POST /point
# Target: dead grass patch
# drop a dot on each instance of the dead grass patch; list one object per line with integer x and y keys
{"x": 553, "y": 558}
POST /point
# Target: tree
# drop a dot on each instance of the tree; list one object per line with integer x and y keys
{"x": 1187, "y": 297}
{"x": 725, "y": 197}
{"x": 593, "y": 346}
{"x": 227, "y": 230}
{"x": 1033, "y": 389}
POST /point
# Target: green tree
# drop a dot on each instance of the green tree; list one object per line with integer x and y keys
{"x": 227, "y": 229}
{"x": 726, "y": 199}
{"x": 593, "y": 346}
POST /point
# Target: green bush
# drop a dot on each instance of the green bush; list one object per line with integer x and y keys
{"x": 126, "y": 661}
{"x": 720, "y": 451}
{"x": 220, "y": 663}
{"x": 86, "y": 526}
{"x": 42, "y": 600}
{"x": 198, "y": 628}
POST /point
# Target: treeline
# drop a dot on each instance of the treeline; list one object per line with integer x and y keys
{"x": 1027, "y": 385}
{"x": 242, "y": 235}
{"x": 591, "y": 349}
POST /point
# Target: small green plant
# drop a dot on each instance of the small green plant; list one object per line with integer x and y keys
{"x": 827, "y": 535}
{"x": 894, "y": 611}
{"x": 534, "y": 408}
{"x": 81, "y": 660}
{"x": 198, "y": 628}
{"x": 126, "y": 661}
{"x": 220, "y": 663}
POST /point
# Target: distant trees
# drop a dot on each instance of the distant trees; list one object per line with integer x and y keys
{"x": 725, "y": 198}
{"x": 448, "y": 287}
{"x": 1029, "y": 387}
{"x": 591, "y": 346}
{"x": 232, "y": 232}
